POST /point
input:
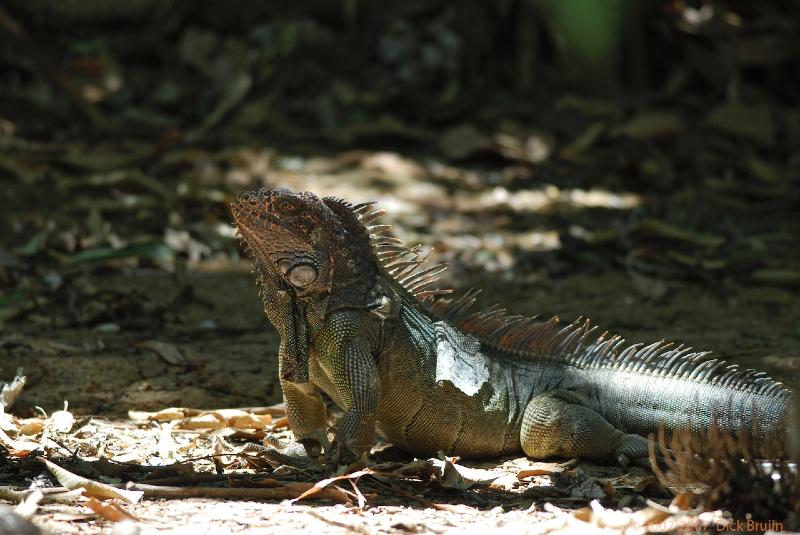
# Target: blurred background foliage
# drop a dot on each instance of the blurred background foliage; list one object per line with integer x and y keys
{"x": 319, "y": 70}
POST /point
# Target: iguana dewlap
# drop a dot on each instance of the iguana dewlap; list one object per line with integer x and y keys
{"x": 358, "y": 321}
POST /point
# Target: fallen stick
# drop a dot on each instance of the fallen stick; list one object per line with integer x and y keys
{"x": 288, "y": 492}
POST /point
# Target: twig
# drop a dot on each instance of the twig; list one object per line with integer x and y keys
{"x": 28, "y": 506}
{"x": 50, "y": 495}
{"x": 674, "y": 512}
{"x": 397, "y": 490}
{"x": 205, "y": 478}
{"x": 288, "y": 492}
{"x": 89, "y": 486}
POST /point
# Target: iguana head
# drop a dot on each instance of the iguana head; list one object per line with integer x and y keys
{"x": 305, "y": 244}
{"x": 311, "y": 256}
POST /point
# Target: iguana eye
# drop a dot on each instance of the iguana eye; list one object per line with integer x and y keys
{"x": 285, "y": 206}
{"x": 302, "y": 275}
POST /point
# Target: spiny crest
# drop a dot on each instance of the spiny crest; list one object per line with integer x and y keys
{"x": 357, "y": 236}
{"x": 403, "y": 264}
{"x": 578, "y": 345}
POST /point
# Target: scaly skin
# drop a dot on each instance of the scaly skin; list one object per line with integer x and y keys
{"x": 357, "y": 322}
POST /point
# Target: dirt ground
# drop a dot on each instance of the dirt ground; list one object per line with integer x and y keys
{"x": 229, "y": 350}
{"x": 234, "y": 365}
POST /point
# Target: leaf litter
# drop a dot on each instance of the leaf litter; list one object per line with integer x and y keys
{"x": 112, "y": 466}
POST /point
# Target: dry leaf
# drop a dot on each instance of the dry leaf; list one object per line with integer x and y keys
{"x": 32, "y": 426}
{"x": 204, "y": 421}
{"x": 250, "y": 421}
{"x": 649, "y": 516}
{"x": 109, "y": 511}
{"x": 235, "y": 418}
{"x": 331, "y": 493}
{"x": 280, "y": 422}
{"x": 505, "y": 482}
{"x": 11, "y": 390}
{"x": 9, "y": 422}
{"x": 167, "y": 448}
{"x": 320, "y": 485}
{"x": 18, "y": 448}
{"x": 681, "y": 501}
{"x": 610, "y": 518}
{"x": 172, "y": 413}
{"x": 522, "y": 474}
{"x": 168, "y": 352}
{"x": 62, "y": 421}
{"x": 29, "y": 504}
{"x": 279, "y": 409}
{"x": 460, "y": 477}
{"x": 584, "y": 514}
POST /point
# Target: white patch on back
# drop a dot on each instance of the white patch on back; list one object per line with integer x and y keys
{"x": 459, "y": 359}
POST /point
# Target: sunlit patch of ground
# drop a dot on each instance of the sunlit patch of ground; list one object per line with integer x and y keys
{"x": 194, "y": 470}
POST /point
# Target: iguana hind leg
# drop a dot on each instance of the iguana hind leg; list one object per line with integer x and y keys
{"x": 559, "y": 423}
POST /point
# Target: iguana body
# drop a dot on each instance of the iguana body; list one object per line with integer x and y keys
{"x": 358, "y": 322}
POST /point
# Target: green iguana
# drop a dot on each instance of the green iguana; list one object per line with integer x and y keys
{"x": 359, "y": 321}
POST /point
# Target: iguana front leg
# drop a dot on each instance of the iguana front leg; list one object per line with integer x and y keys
{"x": 560, "y": 423}
{"x": 304, "y": 407}
{"x": 347, "y": 360}
{"x": 307, "y": 416}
